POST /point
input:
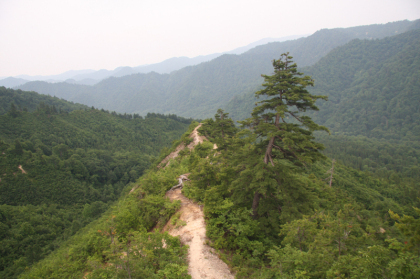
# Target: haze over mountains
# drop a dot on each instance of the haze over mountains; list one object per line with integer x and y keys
{"x": 91, "y": 77}
{"x": 198, "y": 91}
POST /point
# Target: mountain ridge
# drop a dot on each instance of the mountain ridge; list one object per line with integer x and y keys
{"x": 91, "y": 77}
{"x": 198, "y": 91}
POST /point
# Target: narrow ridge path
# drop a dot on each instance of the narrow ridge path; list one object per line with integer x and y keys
{"x": 203, "y": 261}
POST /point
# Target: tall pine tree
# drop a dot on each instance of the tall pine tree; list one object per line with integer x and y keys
{"x": 285, "y": 135}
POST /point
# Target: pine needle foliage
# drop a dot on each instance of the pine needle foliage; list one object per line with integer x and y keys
{"x": 278, "y": 120}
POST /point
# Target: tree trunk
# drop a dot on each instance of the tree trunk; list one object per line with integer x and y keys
{"x": 255, "y": 204}
{"x": 267, "y": 156}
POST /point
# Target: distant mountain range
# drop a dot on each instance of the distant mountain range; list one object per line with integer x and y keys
{"x": 198, "y": 91}
{"x": 91, "y": 77}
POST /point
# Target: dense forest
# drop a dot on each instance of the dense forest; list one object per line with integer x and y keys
{"x": 60, "y": 170}
{"x": 380, "y": 78}
{"x": 30, "y": 101}
{"x": 325, "y": 220}
{"x": 102, "y": 248}
{"x": 198, "y": 91}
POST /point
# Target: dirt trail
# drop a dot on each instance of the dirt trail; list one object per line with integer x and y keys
{"x": 196, "y": 137}
{"x": 20, "y": 167}
{"x": 165, "y": 162}
{"x": 196, "y": 140}
{"x": 202, "y": 259}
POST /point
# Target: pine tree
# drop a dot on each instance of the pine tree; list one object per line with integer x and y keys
{"x": 285, "y": 135}
{"x": 219, "y": 130}
{"x": 224, "y": 128}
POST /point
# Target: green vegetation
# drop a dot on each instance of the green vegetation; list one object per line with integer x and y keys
{"x": 304, "y": 227}
{"x": 125, "y": 239}
{"x": 372, "y": 88}
{"x": 29, "y": 101}
{"x": 223, "y": 126}
{"x": 276, "y": 215}
{"x": 373, "y": 108}
{"x": 61, "y": 170}
{"x": 285, "y": 146}
{"x": 383, "y": 157}
{"x": 198, "y": 91}
{"x": 118, "y": 245}
{"x": 35, "y": 231}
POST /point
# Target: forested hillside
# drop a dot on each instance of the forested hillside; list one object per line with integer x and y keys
{"x": 29, "y": 101}
{"x": 200, "y": 90}
{"x": 60, "y": 170}
{"x": 310, "y": 222}
{"x": 278, "y": 209}
{"x": 372, "y": 88}
{"x": 322, "y": 220}
{"x": 104, "y": 248}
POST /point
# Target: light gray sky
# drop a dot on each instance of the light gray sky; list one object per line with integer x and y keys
{"x": 44, "y": 37}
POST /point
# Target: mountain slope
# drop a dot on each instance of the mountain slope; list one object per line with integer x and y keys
{"x": 103, "y": 248}
{"x": 372, "y": 86}
{"x": 12, "y": 82}
{"x": 31, "y": 100}
{"x": 373, "y": 107}
{"x": 345, "y": 223}
{"x": 91, "y": 77}
{"x": 61, "y": 170}
{"x": 199, "y": 90}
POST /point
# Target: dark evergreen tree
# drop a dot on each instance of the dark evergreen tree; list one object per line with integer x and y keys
{"x": 224, "y": 124}
{"x": 219, "y": 130}
{"x": 285, "y": 134}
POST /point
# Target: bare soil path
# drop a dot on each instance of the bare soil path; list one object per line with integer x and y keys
{"x": 203, "y": 261}
{"x": 20, "y": 167}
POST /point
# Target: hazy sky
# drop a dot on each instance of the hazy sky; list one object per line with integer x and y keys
{"x": 43, "y": 37}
